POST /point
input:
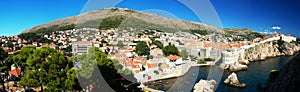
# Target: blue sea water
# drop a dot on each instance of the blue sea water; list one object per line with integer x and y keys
{"x": 257, "y": 73}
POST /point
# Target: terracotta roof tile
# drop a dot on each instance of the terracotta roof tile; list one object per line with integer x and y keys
{"x": 173, "y": 57}
{"x": 159, "y": 56}
{"x": 15, "y": 72}
{"x": 138, "y": 58}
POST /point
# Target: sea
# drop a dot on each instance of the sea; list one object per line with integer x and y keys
{"x": 256, "y": 75}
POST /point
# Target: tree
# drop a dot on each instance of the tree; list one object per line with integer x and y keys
{"x": 120, "y": 44}
{"x": 184, "y": 54}
{"x": 72, "y": 80}
{"x": 193, "y": 58}
{"x": 97, "y": 60}
{"x": 171, "y": 50}
{"x": 19, "y": 58}
{"x": 142, "y": 48}
{"x": 35, "y": 72}
{"x": 3, "y": 66}
{"x": 3, "y": 54}
{"x": 10, "y": 45}
{"x": 158, "y": 44}
{"x": 29, "y": 36}
{"x": 87, "y": 71}
{"x": 209, "y": 59}
{"x": 46, "y": 67}
{"x": 201, "y": 61}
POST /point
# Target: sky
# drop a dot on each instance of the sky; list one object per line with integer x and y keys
{"x": 259, "y": 15}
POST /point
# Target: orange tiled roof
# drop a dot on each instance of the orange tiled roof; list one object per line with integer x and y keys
{"x": 82, "y": 42}
{"x": 173, "y": 57}
{"x": 144, "y": 63}
{"x": 120, "y": 54}
{"x": 138, "y": 58}
{"x": 130, "y": 49}
{"x": 134, "y": 66}
{"x": 128, "y": 59}
{"x": 207, "y": 44}
{"x": 109, "y": 55}
{"x": 159, "y": 56}
{"x": 151, "y": 65}
{"x": 156, "y": 49}
{"x": 135, "y": 63}
{"x": 137, "y": 71}
{"x": 15, "y": 72}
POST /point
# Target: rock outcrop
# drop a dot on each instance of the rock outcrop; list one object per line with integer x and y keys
{"x": 232, "y": 80}
{"x": 270, "y": 49}
{"x": 205, "y": 86}
{"x": 233, "y": 60}
{"x": 237, "y": 59}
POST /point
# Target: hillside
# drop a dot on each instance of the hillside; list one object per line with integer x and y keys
{"x": 122, "y": 18}
{"x": 241, "y": 33}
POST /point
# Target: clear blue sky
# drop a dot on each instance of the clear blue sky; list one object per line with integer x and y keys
{"x": 258, "y": 15}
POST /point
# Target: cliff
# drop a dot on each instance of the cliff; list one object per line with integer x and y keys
{"x": 237, "y": 59}
{"x": 288, "y": 79}
{"x": 270, "y": 49}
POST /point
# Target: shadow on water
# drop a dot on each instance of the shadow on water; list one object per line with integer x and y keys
{"x": 256, "y": 73}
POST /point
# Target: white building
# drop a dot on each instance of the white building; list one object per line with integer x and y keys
{"x": 288, "y": 38}
{"x": 81, "y": 47}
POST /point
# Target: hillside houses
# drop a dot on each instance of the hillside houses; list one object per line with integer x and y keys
{"x": 120, "y": 45}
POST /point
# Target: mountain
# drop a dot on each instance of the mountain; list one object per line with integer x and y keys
{"x": 122, "y": 18}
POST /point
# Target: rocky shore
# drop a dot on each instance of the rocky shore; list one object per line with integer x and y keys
{"x": 270, "y": 49}
{"x": 205, "y": 86}
{"x": 232, "y": 80}
{"x": 238, "y": 58}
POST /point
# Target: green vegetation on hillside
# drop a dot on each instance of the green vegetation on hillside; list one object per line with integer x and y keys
{"x": 241, "y": 34}
{"x": 201, "y": 32}
{"x": 34, "y": 37}
{"x": 118, "y": 21}
{"x": 139, "y": 24}
{"x": 111, "y": 22}
{"x": 54, "y": 28}
{"x": 122, "y": 19}
{"x": 106, "y": 23}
